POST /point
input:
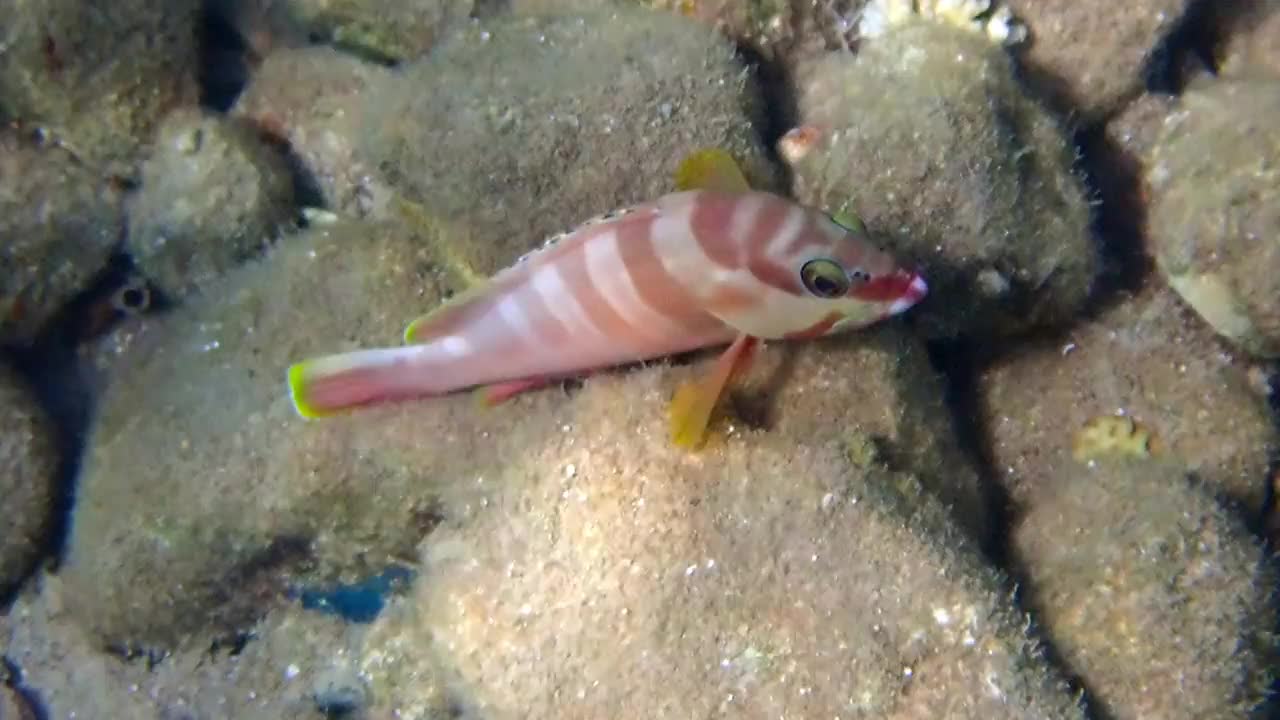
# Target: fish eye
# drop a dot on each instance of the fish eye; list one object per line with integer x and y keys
{"x": 824, "y": 278}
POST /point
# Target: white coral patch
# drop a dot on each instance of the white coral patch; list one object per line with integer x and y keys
{"x": 999, "y": 25}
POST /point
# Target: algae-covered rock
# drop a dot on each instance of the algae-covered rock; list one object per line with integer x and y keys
{"x": 316, "y": 99}
{"x": 397, "y": 30}
{"x": 777, "y": 577}
{"x": 770, "y": 27}
{"x": 1253, "y": 48}
{"x": 520, "y": 127}
{"x": 926, "y": 134}
{"x": 269, "y": 674}
{"x": 13, "y": 706}
{"x": 202, "y": 492}
{"x": 199, "y": 481}
{"x": 1147, "y": 359}
{"x": 98, "y": 75}
{"x": 1214, "y": 182}
{"x": 59, "y": 224}
{"x": 1157, "y": 597}
{"x": 1119, "y": 159}
{"x": 1091, "y": 55}
{"x": 28, "y": 467}
{"x": 213, "y": 194}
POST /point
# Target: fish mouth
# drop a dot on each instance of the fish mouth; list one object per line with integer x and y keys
{"x": 900, "y": 290}
{"x": 916, "y": 289}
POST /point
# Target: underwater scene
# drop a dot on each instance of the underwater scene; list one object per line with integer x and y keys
{"x": 594, "y": 359}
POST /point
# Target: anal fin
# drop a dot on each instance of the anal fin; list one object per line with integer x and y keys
{"x": 500, "y": 392}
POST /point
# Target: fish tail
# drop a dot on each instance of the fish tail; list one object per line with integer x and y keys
{"x": 328, "y": 385}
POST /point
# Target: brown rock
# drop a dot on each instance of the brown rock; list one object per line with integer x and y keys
{"x": 28, "y": 467}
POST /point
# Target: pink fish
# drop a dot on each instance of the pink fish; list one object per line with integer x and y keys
{"x": 693, "y": 269}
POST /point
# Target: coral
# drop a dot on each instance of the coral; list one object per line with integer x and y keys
{"x": 1108, "y": 434}
{"x": 997, "y": 23}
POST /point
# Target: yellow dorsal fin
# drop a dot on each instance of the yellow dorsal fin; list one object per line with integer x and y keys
{"x": 711, "y": 169}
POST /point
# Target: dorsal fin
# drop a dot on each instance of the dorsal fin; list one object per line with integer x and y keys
{"x": 711, "y": 169}
{"x": 450, "y": 315}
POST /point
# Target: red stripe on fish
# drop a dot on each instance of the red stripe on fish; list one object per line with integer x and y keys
{"x": 885, "y": 288}
{"x": 592, "y": 296}
{"x": 657, "y": 287}
{"x": 710, "y": 220}
{"x": 779, "y": 277}
{"x": 769, "y": 223}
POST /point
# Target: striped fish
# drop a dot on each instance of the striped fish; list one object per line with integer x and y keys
{"x": 715, "y": 265}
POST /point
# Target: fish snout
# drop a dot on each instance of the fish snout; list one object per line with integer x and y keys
{"x": 914, "y": 290}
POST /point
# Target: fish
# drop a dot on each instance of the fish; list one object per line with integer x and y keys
{"x": 714, "y": 263}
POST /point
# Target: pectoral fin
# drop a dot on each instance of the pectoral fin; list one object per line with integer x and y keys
{"x": 695, "y": 401}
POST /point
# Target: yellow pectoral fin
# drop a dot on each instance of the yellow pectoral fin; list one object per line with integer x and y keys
{"x": 694, "y": 402}
{"x": 711, "y": 169}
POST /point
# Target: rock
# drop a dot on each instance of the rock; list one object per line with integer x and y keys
{"x": 1215, "y": 208}
{"x": 391, "y": 31}
{"x": 267, "y": 674}
{"x": 1253, "y": 49}
{"x": 28, "y": 475}
{"x": 496, "y": 113}
{"x": 213, "y": 194}
{"x": 59, "y": 224}
{"x": 1119, "y": 160}
{"x": 236, "y": 474}
{"x": 233, "y": 489}
{"x": 98, "y": 77}
{"x": 317, "y": 99}
{"x": 779, "y": 576}
{"x": 13, "y": 706}
{"x": 1091, "y": 56}
{"x": 1161, "y": 600}
{"x": 361, "y": 284}
{"x": 1149, "y": 359}
{"x": 773, "y": 28}
{"x": 956, "y": 170}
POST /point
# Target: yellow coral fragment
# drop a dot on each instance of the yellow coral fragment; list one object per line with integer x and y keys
{"x": 1117, "y": 434}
